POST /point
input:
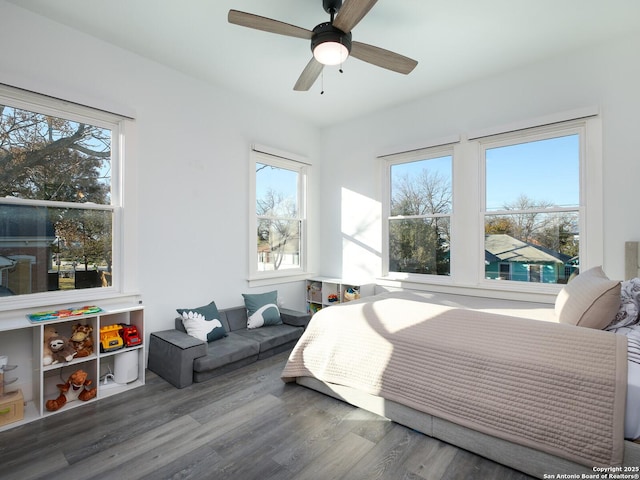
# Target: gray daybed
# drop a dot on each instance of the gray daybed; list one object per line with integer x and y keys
{"x": 182, "y": 359}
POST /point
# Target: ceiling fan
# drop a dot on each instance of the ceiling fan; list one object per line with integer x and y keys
{"x": 331, "y": 42}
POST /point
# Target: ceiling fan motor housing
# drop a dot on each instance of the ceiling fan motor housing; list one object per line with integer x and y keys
{"x": 331, "y": 6}
{"x": 326, "y": 32}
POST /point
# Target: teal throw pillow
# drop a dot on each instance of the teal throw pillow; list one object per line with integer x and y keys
{"x": 203, "y": 322}
{"x": 262, "y": 309}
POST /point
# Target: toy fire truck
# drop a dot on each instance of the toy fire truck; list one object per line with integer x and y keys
{"x": 130, "y": 335}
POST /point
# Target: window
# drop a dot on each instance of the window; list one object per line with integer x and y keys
{"x": 420, "y": 208}
{"x": 532, "y": 205}
{"x": 513, "y": 208}
{"x": 58, "y": 205}
{"x": 279, "y": 215}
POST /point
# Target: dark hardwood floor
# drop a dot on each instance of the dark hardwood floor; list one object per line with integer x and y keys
{"x": 244, "y": 425}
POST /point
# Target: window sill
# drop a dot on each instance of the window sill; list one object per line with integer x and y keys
{"x": 260, "y": 281}
{"x": 499, "y": 290}
{"x": 25, "y": 304}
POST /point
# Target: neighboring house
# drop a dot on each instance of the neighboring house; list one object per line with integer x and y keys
{"x": 26, "y": 236}
{"x": 507, "y": 258}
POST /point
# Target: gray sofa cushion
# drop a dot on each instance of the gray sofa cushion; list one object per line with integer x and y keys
{"x": 227, "y": 350}
{"x": 271, "y": 336}
{"x": 236, "y": 318}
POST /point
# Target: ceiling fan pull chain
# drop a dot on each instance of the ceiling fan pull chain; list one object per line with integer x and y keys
{"x": 322, "y": 83}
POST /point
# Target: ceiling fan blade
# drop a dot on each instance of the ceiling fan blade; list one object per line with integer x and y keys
{"x": 308, "y": 75}
{"x": 267, "y": 24}
{"x": 382, "y": 58}
{"x": 351, "y": 12}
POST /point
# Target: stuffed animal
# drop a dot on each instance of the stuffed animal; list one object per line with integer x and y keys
{"x": 77, "y": 387}
{"x": 351, "y": 294}
{"x": 81, "y": 340}
{"x": 61, "y": 349}
{"x": 47, "y": 354}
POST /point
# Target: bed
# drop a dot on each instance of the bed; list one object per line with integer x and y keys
{"x": 502, "y": 379}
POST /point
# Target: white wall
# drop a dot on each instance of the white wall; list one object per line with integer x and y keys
{"x": 187, "y": 164}
{"x": 607, "y": 77}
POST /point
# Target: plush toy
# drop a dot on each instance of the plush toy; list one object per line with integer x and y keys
{"x": 61, "y": 349}
{"x": 47, "y": 354}
{"x": 76, "y": 387}
{"x": 351, "y": 294}
{"x": 81, "y": 340}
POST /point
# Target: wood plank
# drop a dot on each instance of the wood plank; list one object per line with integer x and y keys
{"x": 430, "y": 459}
{"x": 19, "y": 469}
{"x": 337, "y": 460}
{"x": 388, "y": 457}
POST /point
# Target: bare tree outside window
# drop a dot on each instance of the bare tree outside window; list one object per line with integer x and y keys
{"x": 419, "y": 225}
{"x": 536, "y": 238}
{"x": 278, "y": 218}
{"x": 63, "y": 168}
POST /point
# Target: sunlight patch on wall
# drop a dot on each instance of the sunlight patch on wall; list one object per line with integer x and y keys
{"x": 361, "y": 238}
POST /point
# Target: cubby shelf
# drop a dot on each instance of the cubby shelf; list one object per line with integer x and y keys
{"x": 45, "y": 378}
{"x": 322, "y": 292}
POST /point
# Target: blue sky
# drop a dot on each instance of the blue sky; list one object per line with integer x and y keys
{"x": 545, "y": 170}
{"x": 277, "y": 179}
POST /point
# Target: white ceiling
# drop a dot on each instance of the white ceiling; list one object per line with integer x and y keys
{"x": 454, "y": 41}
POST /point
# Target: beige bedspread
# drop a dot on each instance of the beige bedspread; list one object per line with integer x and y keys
{"x": 554, "y": 387}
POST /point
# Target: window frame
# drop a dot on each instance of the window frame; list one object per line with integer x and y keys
{"x": 590, "y": 162}
{"x": 468, "y": 189}
{"x": 427, "y": 153}
{"x": 285, "y": 160}
{"x": 42, "y": 104}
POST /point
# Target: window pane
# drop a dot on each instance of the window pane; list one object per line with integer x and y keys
{"x": 278, "y": 244}
{"x": 532, "y": 247}
{"x": 538, "y": 174}
{"x": 44, "y": 249}
{"x": 49, "y": 158}
{"x": 422, "y": 187}
{"x": 276, "y": 191}
{"x": 419, "y": 245}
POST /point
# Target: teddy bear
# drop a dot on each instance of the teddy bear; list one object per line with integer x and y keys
{"x": 47, "y": 354}
{"x": 61, "y": 349}
{"x": 77, "y": 387}
{"x": 81, "y": 340}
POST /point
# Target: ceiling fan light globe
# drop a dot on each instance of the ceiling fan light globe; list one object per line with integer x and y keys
{"x": 331, "y": 53}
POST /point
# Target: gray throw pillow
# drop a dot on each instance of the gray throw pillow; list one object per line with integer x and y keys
{"x": 262, "y": 309}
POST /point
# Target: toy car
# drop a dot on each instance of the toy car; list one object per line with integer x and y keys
{"x": 130, "y": 335}
{"x": 110, "y": 338}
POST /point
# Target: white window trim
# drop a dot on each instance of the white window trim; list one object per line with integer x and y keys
{"x": 289, "y": 161}
{"x": 467, "y": 251}
{"x": 440, "y": 149}
{"x": 589, "y": 131}
{"x": 35, "y": 102}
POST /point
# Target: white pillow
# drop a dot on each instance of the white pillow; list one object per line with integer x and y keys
{"x": 589, "y": 300}
{"x": 196, "y": 325}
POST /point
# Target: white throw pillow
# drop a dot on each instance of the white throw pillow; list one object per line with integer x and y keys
{"x": 197, "y": 326}
{"x": 589, "y": 300}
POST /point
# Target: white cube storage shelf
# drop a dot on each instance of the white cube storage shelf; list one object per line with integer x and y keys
{"x": 324, "y": 292}
{"x": 126, "y": 364}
